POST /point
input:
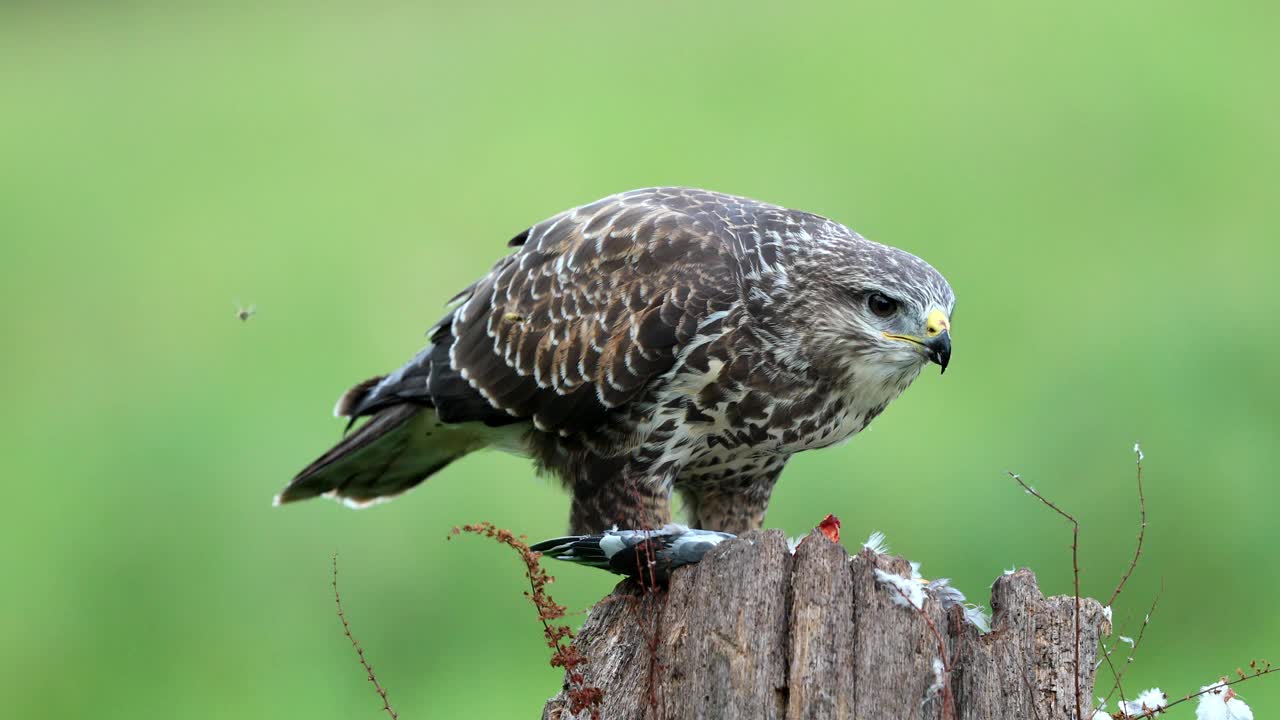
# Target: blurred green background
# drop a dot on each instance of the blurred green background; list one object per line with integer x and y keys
{"x": 1098, "y": 181}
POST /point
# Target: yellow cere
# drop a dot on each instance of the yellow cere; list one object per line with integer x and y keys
{"x": 936, "y": 323}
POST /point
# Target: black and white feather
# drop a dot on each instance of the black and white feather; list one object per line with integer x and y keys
{"x": 643, "y": 554}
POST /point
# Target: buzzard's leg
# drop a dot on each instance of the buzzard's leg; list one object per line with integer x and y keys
{"x": 726, "y": 513}
{"x": 736, "y": 504}
{"x": 628, "y": 499}
{"x": 613, "y": 503}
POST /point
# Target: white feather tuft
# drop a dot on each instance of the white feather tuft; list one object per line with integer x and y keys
{"x": 877, "y": 543}
{"x": 912, "y": 589}
{"x": 1220, "y": 702}
{"x": 1149, "y": 701}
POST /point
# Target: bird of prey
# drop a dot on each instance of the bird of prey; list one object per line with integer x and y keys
{"x": 654, "y": 341}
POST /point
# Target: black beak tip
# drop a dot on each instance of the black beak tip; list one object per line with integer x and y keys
{"x": 940, "y": 351}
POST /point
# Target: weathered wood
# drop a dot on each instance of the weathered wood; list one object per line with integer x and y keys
{"x": 821, "y": 663}
{"x": 755, "y": 632}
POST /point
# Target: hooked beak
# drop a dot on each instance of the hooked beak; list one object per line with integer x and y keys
{"x": 937, "y": 340}
{"x": 939, "y": 349}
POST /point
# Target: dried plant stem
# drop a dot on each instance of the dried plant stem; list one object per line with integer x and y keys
{"x": 1075, "y": 574}
{"x": 1142, "y": 532}
{"x": 948, "y": 701}
{"x": 364, "y": 662}
{"x": 1216, "y": 686}
{"x": 1117, "y": 676}
{"x": 1142, "y": 631}
{"x": 1124, "y": 579}
{"x": 558, "y": 637}
{"x": 646, "y": 558}
{"x": 1026, "y": 681}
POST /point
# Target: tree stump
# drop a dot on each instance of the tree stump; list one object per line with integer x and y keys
{"x": 754, "y": 631}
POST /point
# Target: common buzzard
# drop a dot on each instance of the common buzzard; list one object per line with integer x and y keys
{"x": 655, "y": 340}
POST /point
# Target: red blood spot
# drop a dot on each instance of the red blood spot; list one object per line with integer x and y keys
{"x": 830, "y": 526}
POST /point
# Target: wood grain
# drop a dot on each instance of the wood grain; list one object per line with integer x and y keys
{"x": 756, "y": 632}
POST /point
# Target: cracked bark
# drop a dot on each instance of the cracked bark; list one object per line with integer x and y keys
{"x": 754, "y": 632}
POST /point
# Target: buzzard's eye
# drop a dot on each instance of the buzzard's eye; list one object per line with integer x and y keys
{"x": 881, "y": 305}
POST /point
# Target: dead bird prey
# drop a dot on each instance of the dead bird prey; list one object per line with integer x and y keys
{"x": 650, "y": 555}
{"x": 655, "y": 340}
{"x": 647, "y": 555}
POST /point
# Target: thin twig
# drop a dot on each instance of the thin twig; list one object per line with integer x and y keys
{"x": 580, "y": 695}
{"x": 1117, "y": 676}
{"x": 1142, "y": 631}
{"x": 1142, "y": 530}
{"x": 948, "y": 700}
{"x": 1133, "y": 564}
{"x": 1216, "y": 686}
{"x": 337, "y": 599}
{"x": 647, "y": 558}
{"x": 1075, "y": 573}
{"x": 1031, "y": 695}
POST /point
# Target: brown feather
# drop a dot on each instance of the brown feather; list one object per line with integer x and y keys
{"x": 356, "y": 395}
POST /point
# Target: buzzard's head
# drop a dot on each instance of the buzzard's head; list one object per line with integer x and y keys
{"x": 877, "y": 312}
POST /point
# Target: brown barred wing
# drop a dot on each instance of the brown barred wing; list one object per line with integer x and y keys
{"x": 595, "y": 304}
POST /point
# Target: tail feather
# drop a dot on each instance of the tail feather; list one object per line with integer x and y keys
{"x": 580, "y": 549}
{"x": 396, "y": 450}
{"x": 352, "y": 398}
